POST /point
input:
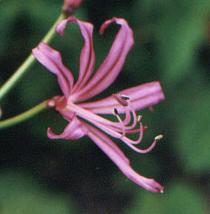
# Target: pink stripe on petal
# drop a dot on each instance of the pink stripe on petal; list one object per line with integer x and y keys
{"x": 141, "y": 96}
{"x": 51, "y": 59}
{"x": 56, "y": 57}
{"x": 103, "y": 142}
{"x": 87, "y": 56}
{"x": 112, "y": 65}
{"x": 73, "y": 131}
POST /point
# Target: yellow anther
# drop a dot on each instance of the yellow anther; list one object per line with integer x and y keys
{"x": 158, "y": 137}
{"x": 139, "y": 118}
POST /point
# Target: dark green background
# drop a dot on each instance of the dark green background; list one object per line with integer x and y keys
{"x": 172, "y": 44}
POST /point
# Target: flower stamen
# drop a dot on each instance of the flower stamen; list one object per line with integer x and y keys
{"x": 121, "y": 99}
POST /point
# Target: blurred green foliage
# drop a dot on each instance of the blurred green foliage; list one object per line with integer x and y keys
{"x": 21, "y": 194}
{"x": 190, "y": 202}
{"x": 172, "y": 44}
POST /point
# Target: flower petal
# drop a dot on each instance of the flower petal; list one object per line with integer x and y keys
{"x": 141, "y": 96}
{"x": 51, "y": 59}
{"x": 70, "y": 5}
{"x": 116, "y": 155}
{"x": 87, "y": 56}
{"x": 73, "y": 131}
{"x": 112, "y": 65}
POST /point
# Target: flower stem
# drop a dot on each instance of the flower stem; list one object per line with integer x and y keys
{"x": 23, "y": 116}
{"x": 5, "y": 88}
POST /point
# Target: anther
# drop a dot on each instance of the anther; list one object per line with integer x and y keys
{"x": 158, "y": 137}
{"x": 115, "y": 111}
{"x": 121, "y": 99}
{"x": 139, "y": 118}
{"x": 124, "y": 97}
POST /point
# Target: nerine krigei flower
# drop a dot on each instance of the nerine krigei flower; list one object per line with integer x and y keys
{"x": 70, "y": 5}
{"x": 86, "y": 117}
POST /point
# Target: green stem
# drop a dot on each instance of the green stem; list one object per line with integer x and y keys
{"x": 23, "y": 116}
{"x": 5, "y": 88}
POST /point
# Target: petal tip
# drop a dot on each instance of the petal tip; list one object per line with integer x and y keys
{"x": 154, "y": 186}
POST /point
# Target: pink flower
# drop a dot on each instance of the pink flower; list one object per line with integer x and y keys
{"x": 85, "y": 117}
{"x": 70, "y": 5}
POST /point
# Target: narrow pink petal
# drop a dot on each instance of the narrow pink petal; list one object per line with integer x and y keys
{"x": 103, "y": 142}
{"x": 51, "y": 59}
{"x": 112, "y": 65}
{"x": 87, "y": 56}
{"x": 74, "y": 130}
{"x": 112, "y": 146}
{"x": 141, "y": 96}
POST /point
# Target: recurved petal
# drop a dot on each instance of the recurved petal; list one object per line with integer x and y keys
{"x": 141, "y": 96}
{"x": 73, "y": 131}
{"x": 116, "y": 155}
{"x": 52, "y": 60}
{"x": 87, "y": 56}
{"x": 113, "y": 63}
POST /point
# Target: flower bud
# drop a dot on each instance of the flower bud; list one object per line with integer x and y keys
{"x": 70, "y": 5}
